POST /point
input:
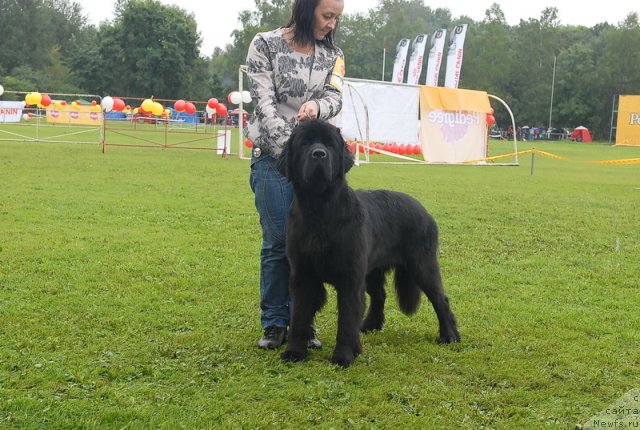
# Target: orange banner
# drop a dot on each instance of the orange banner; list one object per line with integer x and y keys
{"x": 628, "y": 127}
{"x": 74, "y": 115}
{"x": 453, "y": 124}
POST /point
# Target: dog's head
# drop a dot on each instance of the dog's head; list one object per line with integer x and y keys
{"x": 315, "y": 156}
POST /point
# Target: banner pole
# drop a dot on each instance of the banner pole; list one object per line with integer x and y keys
{"x": 533, "y": 161}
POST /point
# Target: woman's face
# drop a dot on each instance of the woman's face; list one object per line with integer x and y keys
{"x": 326, "y": 17}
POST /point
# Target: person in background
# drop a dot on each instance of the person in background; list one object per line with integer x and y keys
{"x": 295, "y": 73}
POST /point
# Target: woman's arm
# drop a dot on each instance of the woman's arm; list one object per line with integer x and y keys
{"x": 261, "y": 78}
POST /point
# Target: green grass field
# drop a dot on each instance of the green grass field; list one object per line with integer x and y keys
{"x": 129, "y": 297}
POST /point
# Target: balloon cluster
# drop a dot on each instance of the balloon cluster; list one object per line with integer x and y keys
{"x": 215, "y": 107}
{"x": 37, "y": 99}
{"x": 394, "y": 148}
{"x": 182, "y": 106}
{"x": 235, "y": 97}
{"x": 490, "y": 118}
{"x": 110, "y": 103}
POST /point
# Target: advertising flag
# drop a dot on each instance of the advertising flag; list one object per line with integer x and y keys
{"x": 454, "y": 56}
{"x": 401, "y": 61}
{"x": 435, "y": 57}
{"x": 417, "y": 59}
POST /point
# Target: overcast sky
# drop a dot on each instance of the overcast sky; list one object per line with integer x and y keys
{"x": 218, "y": 18}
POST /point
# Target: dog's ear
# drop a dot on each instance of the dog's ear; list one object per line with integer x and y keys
{"x": 347, "y": 157}
{"x": 283, "y": 163}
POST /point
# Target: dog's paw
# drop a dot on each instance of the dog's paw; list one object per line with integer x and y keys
{"x": 370, "y": 325}
{"x": 344, "y": 357}
{"x": 342, "y": 360}
{"x": 451, "y": 336}
{"x": 294, "y": 356}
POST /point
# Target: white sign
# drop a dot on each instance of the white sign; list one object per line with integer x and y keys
{"x": 11, "y": 111}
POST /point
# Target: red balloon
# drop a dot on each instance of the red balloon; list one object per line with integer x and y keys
{"x": 78, "y": 102}
{"x": 221, "y": 109}
{"x": 93, "y": 103}
{"x": 63, "y": 102}
{"x": 212, "y": 103}
{"x": 417, "y": 149}
{"x": 190, "y": 108}
{"x": 491, "y": 119}
{"x": 402, "y": 149}
{"x": 118, "y": 104}
{"x": 179, "y": 105}
{"x": 248, "y": 143}
{"x": 46, "y": 100}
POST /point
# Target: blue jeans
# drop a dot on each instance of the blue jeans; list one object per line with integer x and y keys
{"x": 273, "y": 194}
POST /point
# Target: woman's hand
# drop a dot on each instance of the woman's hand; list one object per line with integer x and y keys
{"x": 308, "y": 110}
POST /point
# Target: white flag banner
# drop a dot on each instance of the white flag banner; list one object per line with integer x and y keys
{"x": 417, "y": 59}
{"x": 391, "y": 110}
{"x": 454, "y": 56}
{"x": 11, "y": 111}
{"x": 400, "y": 62}
{"x": 435, "y": 57}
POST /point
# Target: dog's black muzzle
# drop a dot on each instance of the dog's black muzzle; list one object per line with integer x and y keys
{"x": 318, "y": 166}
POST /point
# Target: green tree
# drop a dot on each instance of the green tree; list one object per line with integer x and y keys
{"x": 150, "y": 49}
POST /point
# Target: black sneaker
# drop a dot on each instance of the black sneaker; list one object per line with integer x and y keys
{"x": 273, "y": 337}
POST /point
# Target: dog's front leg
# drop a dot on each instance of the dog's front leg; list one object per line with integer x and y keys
{"x": 308, "y": 295}
{"x": 350, "y": 311}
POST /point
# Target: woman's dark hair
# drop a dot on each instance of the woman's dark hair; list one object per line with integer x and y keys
{"x": 302, "y": 15}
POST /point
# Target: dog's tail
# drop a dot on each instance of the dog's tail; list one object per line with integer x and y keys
{"x": 409, "y": 294}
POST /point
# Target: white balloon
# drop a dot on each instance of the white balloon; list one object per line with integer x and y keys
{"x": 210, "y": 111}
{"x": 246, "y": 97}
{"x": 25, "y": 116}
{"x": 235, "y": 97}
{"x": 1, "y": 90}
{"x": 107, "y": 104}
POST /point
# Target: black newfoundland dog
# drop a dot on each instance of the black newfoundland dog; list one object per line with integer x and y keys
{"x": 351, "y": 239}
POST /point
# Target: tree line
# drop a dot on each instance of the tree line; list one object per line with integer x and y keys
{"x": 153, "y": 49}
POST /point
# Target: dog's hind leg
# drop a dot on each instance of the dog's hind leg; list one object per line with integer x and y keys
{"x": 350, "y": 310}
{"x": 375, "y": 289}
{"x": 430, "y": 281}
{"x": 308, "y": 297}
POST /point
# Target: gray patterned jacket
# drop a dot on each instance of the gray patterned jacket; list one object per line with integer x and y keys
{"x": 281, "y": 80}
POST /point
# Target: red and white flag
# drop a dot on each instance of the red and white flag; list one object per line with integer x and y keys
{"x": 435, "y": 57}
{"x": 417, "y": 59}
{"x": 400, "y": 62}
{"x": 454, "y": 56}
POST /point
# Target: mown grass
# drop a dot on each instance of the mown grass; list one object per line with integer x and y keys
{"x": 129, "y": 297}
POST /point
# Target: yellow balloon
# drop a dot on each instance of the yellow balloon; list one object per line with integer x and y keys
{"x": 147, "y": 105}
{"x": 33, "y": 98}
{"x": 135, "y": 111}
{"x": 157, "y": 109}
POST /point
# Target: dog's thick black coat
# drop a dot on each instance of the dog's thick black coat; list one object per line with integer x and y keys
{"x": 350, "y": 239}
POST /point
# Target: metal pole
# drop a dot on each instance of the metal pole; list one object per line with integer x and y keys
{"x": 553, "y": 84}
{"x": 384, "y": 57}
{"x": 533, "y": 162}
